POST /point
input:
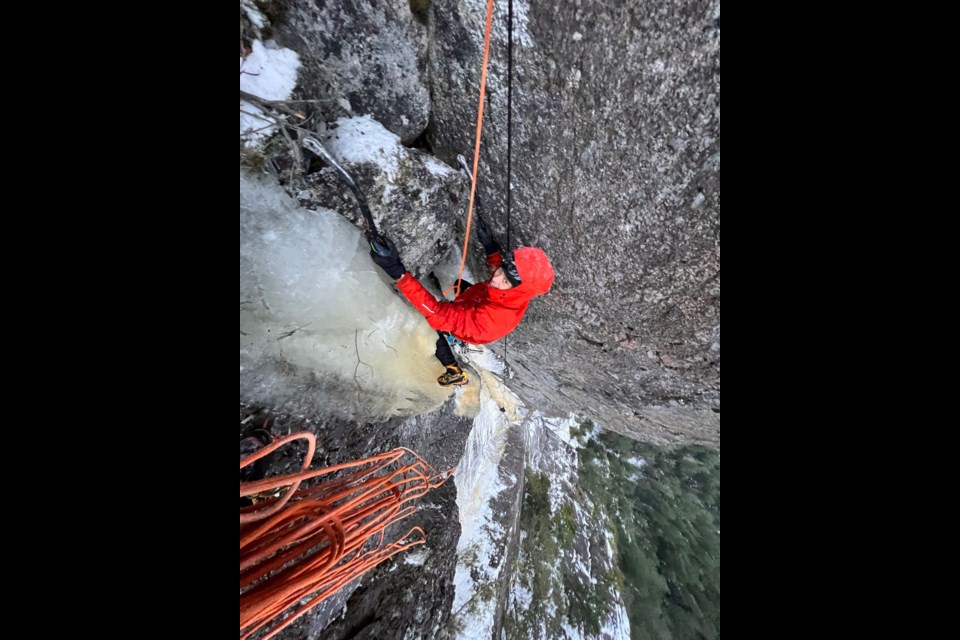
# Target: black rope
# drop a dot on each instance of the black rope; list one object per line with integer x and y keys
{"x": 509, "y": 138}
{"x": 509, "y": 109}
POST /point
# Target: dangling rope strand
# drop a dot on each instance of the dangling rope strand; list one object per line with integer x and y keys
{"x": 509, "y": 111}
{"x": 476, "y": 146}
{"x": 509, "y": 140}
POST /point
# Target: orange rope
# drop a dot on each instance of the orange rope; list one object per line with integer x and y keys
{"x": 305, "y": 543}
{"x": 476, "y": 146}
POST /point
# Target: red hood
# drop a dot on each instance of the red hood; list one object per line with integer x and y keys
{"x": 536, "y": 272}
{"x": 482, "y": 314}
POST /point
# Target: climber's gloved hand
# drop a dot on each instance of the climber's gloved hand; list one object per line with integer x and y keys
{"x": 485, "y": 234}
{"x": 385, "y": 254}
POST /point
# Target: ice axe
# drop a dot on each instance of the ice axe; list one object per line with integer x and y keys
{"x": 464, "y": 166}
{"x": 369, "y": 228}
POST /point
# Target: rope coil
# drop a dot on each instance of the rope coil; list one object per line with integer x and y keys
{"x": 309, "y": 541}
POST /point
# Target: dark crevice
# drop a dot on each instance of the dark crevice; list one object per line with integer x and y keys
{"x": 434, "y": 280}
{"x": 589, "y": 340}
{"x": 362, "y": 624}
{"x": 422, "y": 143}
{"x": 420, "y": 10}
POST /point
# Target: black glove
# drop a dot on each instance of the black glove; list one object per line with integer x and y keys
{"x": 385, "y": 254}
{"x": 485, "y": 234}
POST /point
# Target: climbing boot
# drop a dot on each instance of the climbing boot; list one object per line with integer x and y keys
{"x": 453, "y": 376}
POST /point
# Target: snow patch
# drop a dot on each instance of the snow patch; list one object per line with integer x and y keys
{"x": 437, "y": 168}
{"x": 616, "y": 626}
{"x": 363, "y": 139}
{"x": 478, "y": 483}
{"x": 561, "y": 427}
{"x": 253, "y": 14}
{"x": 477, "y": 478}
{"x": 269, "y": 72}
{"x": 487, "y": 360}
{"x": 416, "y": 557}
{"x": 521, "y": 596}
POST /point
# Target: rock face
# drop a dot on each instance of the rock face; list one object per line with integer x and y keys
{"x": 616, "y": 175}
{"x": 615, "y": 172}
{"x": 413, "y": 197}
{"x": 360, "y": 58}
{"x": 563, "y": 557}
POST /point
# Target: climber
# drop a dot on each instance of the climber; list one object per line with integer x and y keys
{"x": 481, "y": 313}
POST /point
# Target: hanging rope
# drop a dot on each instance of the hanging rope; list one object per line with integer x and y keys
{"x": 506, "y": 364}
{"x": 476, "y": 146}
{"x": 509, "y": 111}
{"x": 299, "y": 546}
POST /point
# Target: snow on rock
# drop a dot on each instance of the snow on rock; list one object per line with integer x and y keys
{"x": 253, "y": 13}
{"x": 478, "y": 482}
{"x": 270, "y": 72}
{"x": 438, "y": 168}
{"x": 561, "y": 427}
{"x": 481, "y": 478}
{"x": 363, "y": 139}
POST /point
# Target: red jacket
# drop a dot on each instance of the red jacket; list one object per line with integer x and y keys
{"x": 483, "y": 313}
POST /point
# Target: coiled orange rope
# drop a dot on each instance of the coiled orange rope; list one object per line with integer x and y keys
{"x": 307, "y": 543}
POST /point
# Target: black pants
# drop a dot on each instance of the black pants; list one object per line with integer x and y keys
{"x": 444, "y": 353}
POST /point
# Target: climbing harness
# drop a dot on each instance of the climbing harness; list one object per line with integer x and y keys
{"x": 462, "y": 348}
